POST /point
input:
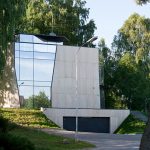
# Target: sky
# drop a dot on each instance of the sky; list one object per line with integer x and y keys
{"x": 109, "y": 15}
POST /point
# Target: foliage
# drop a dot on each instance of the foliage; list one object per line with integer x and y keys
{"x": 131, "y": 126}
{"x": 133, "y": 37}
{"x": 10, "y": 13}
{"x": 25, "y": 117}
{"x": 9, "y": 141}
{"x": 130, "y": 82}
{"x": 44, "y": 141}
{"x": 107, "y": 60}
{"x": 127, "y": 69}
{"x": 67, "y": 18}
{"x": 131, "y": 47}
{"x": 3, "y": 125}
{"x": 38, "y": 101}
{"x": 13, "y": 142}
{"x": 140, "y": 2}
{"x": 40, "y": 140}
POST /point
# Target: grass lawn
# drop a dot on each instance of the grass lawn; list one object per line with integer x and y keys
{"x": 32, "y": 119}
{"x": 44, "y": 141}
{"x": 27, "y": 117}
{"x": 131, "y": 126}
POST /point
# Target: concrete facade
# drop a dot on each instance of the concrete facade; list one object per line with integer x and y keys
{"x": 64, "y": 78}
{"x": 81, "y": 97}
{"x": 116, "y": 116}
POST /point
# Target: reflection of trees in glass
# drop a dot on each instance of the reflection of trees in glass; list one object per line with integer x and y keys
{"x": 40, "y": 100}
{"x": 34, "y": 61}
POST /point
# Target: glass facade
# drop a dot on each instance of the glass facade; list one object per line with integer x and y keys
{"x": 34, "y": 62}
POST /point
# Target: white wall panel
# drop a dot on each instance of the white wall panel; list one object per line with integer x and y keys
{"x": 64, "y": 81}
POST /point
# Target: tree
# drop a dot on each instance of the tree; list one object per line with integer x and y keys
{"x": 131, "y": 82}
{"x": 107, "y": 61}
{"x": 67, "y": 18}
{"x": 140, "y": 2}
{"x": 145, "y": 141}
{"x": 10, "y": 13}
{"x": 38, "y": 101}
{"x": 132, "y": 48}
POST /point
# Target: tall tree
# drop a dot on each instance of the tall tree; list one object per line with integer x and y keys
{"x": 132, "y": 49}
{"x": 145, "y": 141}
{"x": 68, "y": 18}
{"x": 10, "y": 13}
{"x": 134, "y": 37}
{"x": 108, "y": 63}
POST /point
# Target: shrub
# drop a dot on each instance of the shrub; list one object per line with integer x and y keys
{"x": 3, "y": 125}
{"x": 12, "y": 142}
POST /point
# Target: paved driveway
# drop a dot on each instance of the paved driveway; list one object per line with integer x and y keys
{"x": 103, "y": 141}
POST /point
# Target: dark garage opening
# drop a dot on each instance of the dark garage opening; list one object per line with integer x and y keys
{"x": 87, "y": 124}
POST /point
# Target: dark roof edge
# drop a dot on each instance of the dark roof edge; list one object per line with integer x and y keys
{"x": 49, "y": 38}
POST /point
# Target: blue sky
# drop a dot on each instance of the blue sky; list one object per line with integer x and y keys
{"x": 109, "y": 15}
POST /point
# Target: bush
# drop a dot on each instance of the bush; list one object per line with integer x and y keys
{"x": 11, "y": 142}
{"x": 6, "y": 125}
{"x": 3, "y": 125}
{"x": 131, "y": 125}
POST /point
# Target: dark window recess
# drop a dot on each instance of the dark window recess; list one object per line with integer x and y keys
{"x": 87, "y": 124}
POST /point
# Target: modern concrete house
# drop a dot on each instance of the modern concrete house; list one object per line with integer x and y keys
{"x": 75, "y": 93}
{"x": 73, "y": 83}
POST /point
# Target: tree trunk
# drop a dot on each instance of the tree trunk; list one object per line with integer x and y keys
{"x": 145, "y": 141}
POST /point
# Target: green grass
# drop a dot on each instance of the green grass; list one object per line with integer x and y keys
{"x": 131, "y": 126}
{"x": 44, "y": 141}
{"x": 27, "y": 117}
{"x": 27, "y": 120}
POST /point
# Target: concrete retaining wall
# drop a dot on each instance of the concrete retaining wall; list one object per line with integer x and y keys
{"x": 116, "y": 116}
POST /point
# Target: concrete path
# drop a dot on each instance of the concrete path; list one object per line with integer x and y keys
{"x": 103, "y": 141}
{"x": 139, "y": 115}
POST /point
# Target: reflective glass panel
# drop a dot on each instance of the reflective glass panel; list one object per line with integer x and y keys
{"x": 26, "y": 38}
{"x": 26, "y": 69}
{"x": 26, "y": 47}
{"x": 49, "y": 56}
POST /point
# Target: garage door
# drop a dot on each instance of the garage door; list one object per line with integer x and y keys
{"x": 87, "y": 124}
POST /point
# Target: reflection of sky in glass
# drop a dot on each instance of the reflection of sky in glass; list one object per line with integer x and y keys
{"x": 26, "y": 38}
{"x": 34, "y": 65}
{"x": 50, "y": 56}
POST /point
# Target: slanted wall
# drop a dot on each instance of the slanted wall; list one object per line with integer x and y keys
{"x": 64, "y": 78}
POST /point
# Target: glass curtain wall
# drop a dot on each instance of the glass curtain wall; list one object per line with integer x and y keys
{"x": 34, "y": 62}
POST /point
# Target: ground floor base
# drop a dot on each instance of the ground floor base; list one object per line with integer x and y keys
{"x": 88, "y": 120}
